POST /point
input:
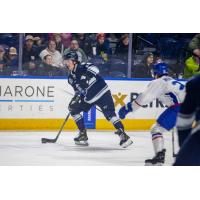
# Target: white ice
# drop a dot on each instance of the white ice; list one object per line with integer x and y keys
{"x": 25, "y": 148}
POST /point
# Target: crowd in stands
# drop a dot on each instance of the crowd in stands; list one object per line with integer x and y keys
{"x": 43, "y": 53}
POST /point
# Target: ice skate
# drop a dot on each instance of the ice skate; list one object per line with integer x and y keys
{"x": 125, "y": 140}
{"x": 81, "y": 139}
{"x": 157, "y": 160}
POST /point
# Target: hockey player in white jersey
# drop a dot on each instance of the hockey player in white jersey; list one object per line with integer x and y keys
{"x": 171, "y": 93}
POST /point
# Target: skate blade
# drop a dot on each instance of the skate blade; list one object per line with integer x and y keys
{"x": 150, "y": 164}
{"x": 81, "y": 143}
{"x": 127, "y": 143}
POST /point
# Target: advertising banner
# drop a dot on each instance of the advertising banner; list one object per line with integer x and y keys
{"x": 44, "y": 99}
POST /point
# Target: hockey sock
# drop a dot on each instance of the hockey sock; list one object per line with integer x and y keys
{"x": 78, "y": 118}
{"x": 158, "y": 142}
{"x": 117, "y": 123}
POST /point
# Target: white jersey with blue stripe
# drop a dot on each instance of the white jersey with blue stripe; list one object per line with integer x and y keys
{"x": 166, "y": 89}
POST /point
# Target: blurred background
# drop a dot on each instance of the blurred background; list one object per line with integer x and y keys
{"x": 117, "y": 55}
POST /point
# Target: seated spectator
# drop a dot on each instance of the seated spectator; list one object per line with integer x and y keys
{"x": 39, "y": 43}
{"x": 47, "y": 69}
{"x": 29, "y": 51}
{"x": 74, "y": 46}
{"x": 122, "y": 48}
{"x": 59, "y": 45}
{"x": 12, "y": 58}
{"x": 85, "y": 43}
{"x": 4, "y": 70}
{"x": 102, "y": 46}
{"x": 194, "y": 45}
{"x": 158, "y": 59}
{"x": 32, "y": 69}
{"x": 192, "y": 67}
{"x": 145, "y": 68}
{"x": 57, "y": 60}
{"x": 66, "y": 38}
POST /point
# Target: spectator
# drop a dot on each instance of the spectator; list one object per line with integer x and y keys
{"x": 158, "y": 59}
{"x": 47, "y": 69}
{"x": 66, "y": 38}
{"x": 74, "y": 46}
{"x": 194, "y": 45}
{"x": 57, "y": 60}
{"x": 192, "y": 67}
{"x": 12, "y": 58}
{"x": 4, "y": 70}
{"x": 32, "y": 69}
{"x": 145, "y": 69}
{"x": 122, "y": 48}
{"x": 39, "y": 43}
{"x": 58, "y": 39}
{"x": 102, "y": 46}
{"x": 113, "y": 40}
{"x": 29, "y": 52}
{"x": 85, "y": 43}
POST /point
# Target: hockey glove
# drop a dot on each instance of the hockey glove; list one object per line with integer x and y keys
{"x": 75, "y": 103}
{"x": 125, "y": 110}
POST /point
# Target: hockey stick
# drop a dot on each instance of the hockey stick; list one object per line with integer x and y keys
{"x": 173, "y": 143}
{"x": 46, "y": 140}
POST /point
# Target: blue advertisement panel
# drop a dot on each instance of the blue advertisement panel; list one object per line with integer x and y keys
{"x": 90, "y": 118}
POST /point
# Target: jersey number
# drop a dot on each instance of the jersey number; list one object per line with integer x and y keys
{"x": 181, "y": 86}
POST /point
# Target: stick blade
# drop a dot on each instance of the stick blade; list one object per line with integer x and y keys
{"x": 46, "y": 140}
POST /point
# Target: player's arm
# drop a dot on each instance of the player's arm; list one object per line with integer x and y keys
{"x": 153, "y": 91}
{"x": 72, "y": 82}
{"x": 186, "y": 115}
{"x": 92, "y": 74}
{"x": 87, "y": 79}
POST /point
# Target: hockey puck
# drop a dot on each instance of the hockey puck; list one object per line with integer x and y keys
{"x": 43, "y": 140}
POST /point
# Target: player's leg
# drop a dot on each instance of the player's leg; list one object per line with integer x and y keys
{"x": 165, "y": 122}
{"x": 158, "y": 145}
{"x": 82, "y": 138}
{"x": 76, "y": 109}
{"x": 107, "y": 106}
{"x": 190, "y": 151}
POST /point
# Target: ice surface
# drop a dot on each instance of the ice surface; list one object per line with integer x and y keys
{"x": 25, "y": 148}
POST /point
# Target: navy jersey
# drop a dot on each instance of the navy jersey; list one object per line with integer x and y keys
{"x": 190, "y": 109}
{"x": 85, "y": 77}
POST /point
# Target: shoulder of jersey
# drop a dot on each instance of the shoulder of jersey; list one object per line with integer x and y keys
{"x": 87, "y": 64}
{"x": 159, "y": 80}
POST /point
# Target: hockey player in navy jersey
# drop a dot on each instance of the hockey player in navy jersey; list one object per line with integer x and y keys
{"x": 90, "y": 89}
{"x": 171, "y": 93}
{"x": 189, "y": 138}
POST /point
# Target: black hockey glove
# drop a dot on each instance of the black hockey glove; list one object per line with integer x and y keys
{"x": 75, "y": 103}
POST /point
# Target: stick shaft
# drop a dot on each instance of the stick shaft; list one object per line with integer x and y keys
{"x": 62, "y": 126}
{"x": 173, "y": 142}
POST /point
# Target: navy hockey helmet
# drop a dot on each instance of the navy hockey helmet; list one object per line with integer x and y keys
{"x": 72, "y": 55}
{"x": 160, "y": 69}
